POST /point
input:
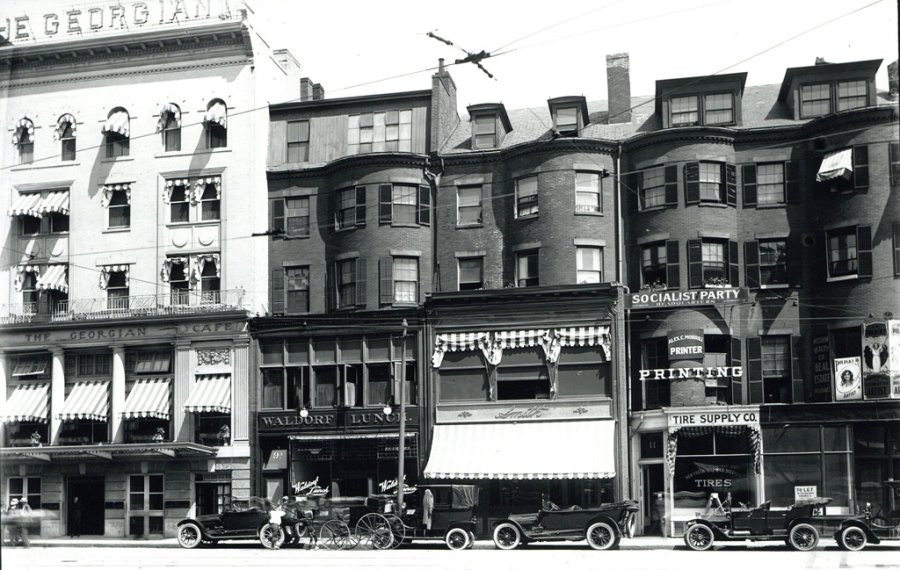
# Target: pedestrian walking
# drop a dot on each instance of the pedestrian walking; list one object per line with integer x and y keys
{"x": 20, "y": 533}
{"x": 75, "y": 518}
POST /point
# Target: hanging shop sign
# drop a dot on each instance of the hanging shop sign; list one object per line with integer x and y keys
{"x": 737, "y": 417}
{"x": 802, "y": 492}
{"x": 703, "y": 372}
{"x": 81, "y": 21}
{"x": 821, "y": 369}
{"x": 659, "y": 299}
{"x": 847, "y": 379}
{"x": 686, "y": 345}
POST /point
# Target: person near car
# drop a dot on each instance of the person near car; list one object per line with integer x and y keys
{"x": 547, "y": 504}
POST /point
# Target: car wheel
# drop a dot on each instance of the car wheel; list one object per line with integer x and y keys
{"x": 602, "y": 536}
{"x": 507, "y": 536}
{"x": 471, "y": 540}
{"x": 189, "y": 535}
{"x": 853, "y": 538}
{"x": 803, "y": 537}
{"x": 271, "y": 536}
{"x": 456, "y": 539}
{"x": 699, "y": 537}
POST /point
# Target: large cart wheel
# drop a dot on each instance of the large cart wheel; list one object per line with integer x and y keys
{"x": 336, "y": 535}
{"x": 803, "y": 536}
{"x": 456, "y": 539}
{"x": 271, "y": 536}
{"x": 398, "y": 529}
{"x": 602, "y": 536}
{"x": 699, "y": 537}
{"x": 507, "y": 536}
{"x": 189, "y": 535}
{"x": 853, "y": 538}
{"x": 375, "y": 531}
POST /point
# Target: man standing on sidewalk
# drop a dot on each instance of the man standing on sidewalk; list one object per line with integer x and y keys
{"x": 20, "y": 532}
{"x": 75, "y": 518}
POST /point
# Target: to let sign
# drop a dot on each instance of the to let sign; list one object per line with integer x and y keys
{"x": 802, "y": 492}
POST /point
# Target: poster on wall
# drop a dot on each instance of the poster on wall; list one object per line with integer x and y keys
{"x": 894, "y": 356}
{"x": 847, "y": 379}
{"x": 821, "y": 368}
{"x": 876, "y": 370}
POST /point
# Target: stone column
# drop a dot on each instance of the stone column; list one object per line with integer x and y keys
{"x": 240, "y": 392}
{"x": 182, "y": 382}
{"x": 118, "y": 395}
{"x": 57, "y": 393}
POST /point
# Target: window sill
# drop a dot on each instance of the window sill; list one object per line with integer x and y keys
{"x": 528, "y": 217}
{"x": 841, "y": 278}
{"x": 209, "y": 223}
{"x": 210, "y": 151}
{"x": 116, "y": 230}
{"x": 469, "y": 226}
{"x": 775, "y": 286}
{"x": 654, "y": 209}
{"x": 116, "y": 159}
{"x": 175, "y": 153}
{"x": 32, "y": 166}
{"x": 404, "y": 304}
{"x": 596, "y": 214}
{"x": 342, "y": 230}
{"x": 393, "y": 225}
{"x": 288, "y": 238}
{"x": 714, "y": 205}
{"x": 771, "y": 206}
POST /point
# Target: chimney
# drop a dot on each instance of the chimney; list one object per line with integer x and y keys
{"x": 306, "y": 89}
{"x": 444, "y": 116}
{"x": 618, "y": 83}
{"x": 821, "y": 61}
{"x": 318, "y": 92}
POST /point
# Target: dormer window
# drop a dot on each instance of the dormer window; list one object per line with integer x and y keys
{"x": 823, "y": 89}
{"x": 490, "y": 123}
{"x": 485, "y": 131}
{"x": 700, "y": 101}
{"x": 570, "y": 115}
{"x": 567, "y": 120}
{"x": 685, "y": 111}
{"x": 718, "y": 109}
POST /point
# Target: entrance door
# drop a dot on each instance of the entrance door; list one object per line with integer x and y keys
{"x": 654, "y": 503}
{"x": 89, "y": 512}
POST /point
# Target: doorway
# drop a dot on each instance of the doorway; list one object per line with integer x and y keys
{"x": 89, "y": 513}
{"x": 654, "y": 504}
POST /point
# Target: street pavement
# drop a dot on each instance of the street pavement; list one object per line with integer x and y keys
{"x": 636, "y": 554}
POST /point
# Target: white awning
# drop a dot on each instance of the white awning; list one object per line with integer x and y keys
{"x": 165, "y": 111}
{"x": 28, "y": 403}
{"x": 210, "y": 394}
{"x": 118, "y": 122}
{"x": 24, "y": 125}
{"x": 520, "y": 339}
{"x": 149, "y": 398}
{"x": 216, "y": 114}
{"x": 838, "y": 164}
{"x": 87, "y": 401}
{"x": 36, "y": 204}
{"x": 107, "y": 193}
{"x": 61, "y": 124}
{"x": 56, "y": 278}
{"x": 527, "y": 450}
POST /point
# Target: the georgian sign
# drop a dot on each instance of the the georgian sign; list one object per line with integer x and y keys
{"x": 124, "y": 333}
{"x": 694, "y": 297}
{"x": 87, "y": 20}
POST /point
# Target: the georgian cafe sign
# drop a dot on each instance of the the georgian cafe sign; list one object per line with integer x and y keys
{"x": 83, "y": 20}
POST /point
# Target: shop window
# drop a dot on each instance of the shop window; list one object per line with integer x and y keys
{"x": 148, "y": 430}
{"x": 210, "y": 205}
{"x": 157, "y": 362}
{"x": 697, "y": 477}
{"x": 463, "y": 378}
{"x": 212, "y": 492}
{"x": 583, "y": 371}
{"x": 145, "y": 505}
{"x": 589, "y": 265}
{"x": 83, "y": 432}
{"x": 67, "y": 142}
{"x": 527, "y": 197}
{"x": 119, "y": 211}
{"x": 212, "y": 429}
{"x": 179, "y": 204}
{"x": 171, "y": 133}
{"x": 468, "y": 204}
{"x": 876, "y": 447}
{"x": 527, "y": 269}
{"x": 588, "y": 196}
{"x": 28, "y": 488}
{"x": 284, "y": 388}
{"x": 23, "y": 434}
{"x": 471, "y": 273}
{"x": 806, "y": 455}
{"x": 298, "y": 141}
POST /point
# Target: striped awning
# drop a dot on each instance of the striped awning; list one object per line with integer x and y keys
{"x": 164, "y": 112}
{"x": 524, "y": 450}
{"x": 211, "y": 393}
{"x": 216, "y": 114}
{"x": 24, "y": 125}
{"x": 87, "y": 401}
{"x": 56, "y": 202}
{"x": 455, "y": 342}
{"x": 836, "y": 165}
{"x": 118, "y": 122}
{"x": 149, "y": 398}
{"x": 28, "y": 403}
{"x": 66, "y": 120}
{"x": 26, "y": 205}
{"x": 107, "y": 193}
{"x": 56, "y": 277}
{"x": 520, "y": 339}
{"x": 586, "y": 336}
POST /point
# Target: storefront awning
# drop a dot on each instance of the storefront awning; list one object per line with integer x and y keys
{"x": 838, "y": 164}
{"x": 210, "y": 393}
{"x": 533, "y": 450}
{"x": 216, "y": 114}
{"x": 149, "y": 398}
{"x": 56, "y": 278}
{"x": 87, "y": 401}
{"x": 36, "y": 205}
{"x": 118, "y": 122}
{"x": 28, "y": 403}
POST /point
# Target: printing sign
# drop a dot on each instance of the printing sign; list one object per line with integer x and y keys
{"x": 686, "y": 345}
{"x": 847, "y": 379}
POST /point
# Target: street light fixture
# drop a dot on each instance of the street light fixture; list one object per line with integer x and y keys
{"x": 304, "y": 412}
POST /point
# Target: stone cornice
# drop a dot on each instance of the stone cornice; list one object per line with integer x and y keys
{"x": 540, "y": 146}
{"x": 380, "y": 159}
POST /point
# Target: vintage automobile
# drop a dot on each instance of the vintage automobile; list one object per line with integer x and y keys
{"x": 856, "y": 532}
{"x": 602, "y": 527}
{"x": 250, "y": 518}
{"x": 798, "y": 526}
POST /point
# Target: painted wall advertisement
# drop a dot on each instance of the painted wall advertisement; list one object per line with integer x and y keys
{"x": 894, "y": 350}
{"x": 847, "y": 379}
{"x": 821, "y": 368}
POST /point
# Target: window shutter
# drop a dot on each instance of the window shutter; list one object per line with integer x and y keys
{"x": 751, "y": 263}
{"x": 330, "y": 288}
{"x": 692, "y": 183}
{"x": 277, "y": 301}
{"x": 695, "y": 263}
{"x": 864, "y": 251}
{"x": 729, "y": 175}
{"x": 333, "y": 203}
{"x": 748, "y": 183}
{"x": 673, "y": 265}
{"x": 386, "y": 280}
{"x": 737, "y": 382}
{"x": 754, "y": 371}
{"x": 278, "y": 216}
{"x": 424, "y": 205}
{"x": 385, "y": 192}
{"x": 792, "y": 181}
{"x": 896, "y": 228}
{"x": 894, "y": 157}
{"x": 632, "y": 188}
{"x": 797, "y": 369}
{"x": 277, "y": 142}
{"x": 360, "y": 206}
{"x": 361, "y": 279}
{"x": 734, "y": 267}
{"x": 861, "y": 168}
{"x": 672, "y": 186}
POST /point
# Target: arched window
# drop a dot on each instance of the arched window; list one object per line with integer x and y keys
{"x": 116, "y": 130}
{"x": 65, "y": 133}
{"x": 23, "y": 138}
{"x": 170, "y": 126}
{"x": 216, "y": 122}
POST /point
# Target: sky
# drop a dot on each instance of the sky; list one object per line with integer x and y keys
{"x": 550, "y": 49}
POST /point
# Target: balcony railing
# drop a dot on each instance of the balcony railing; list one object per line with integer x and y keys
{"x": 174, "y": 303}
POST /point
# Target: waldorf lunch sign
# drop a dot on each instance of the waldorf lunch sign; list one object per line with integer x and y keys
{"x": 676, "y": 298}
{"x": 82, "y": 20}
